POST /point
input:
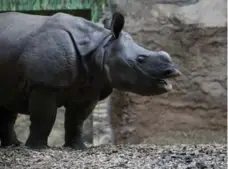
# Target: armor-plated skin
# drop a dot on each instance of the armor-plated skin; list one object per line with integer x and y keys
{"x": 51, "y": 61}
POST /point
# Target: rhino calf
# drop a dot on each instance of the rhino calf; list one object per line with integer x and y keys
{"x": 62, "y": 60}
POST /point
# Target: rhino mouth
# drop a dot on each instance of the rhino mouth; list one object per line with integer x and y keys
{"x": 165, "y": 83}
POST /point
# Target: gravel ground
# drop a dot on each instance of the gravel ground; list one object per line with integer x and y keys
{"x": 128, "y": 156}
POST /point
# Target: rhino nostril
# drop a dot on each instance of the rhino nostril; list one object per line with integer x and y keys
{"x": 171, "y": 73}
{"x": 168, "y": 72}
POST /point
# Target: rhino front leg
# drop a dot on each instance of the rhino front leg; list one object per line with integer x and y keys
{"x": 7, "y": 133}
{"x": 43, "y": 109}
{"x": 75, "y": 115}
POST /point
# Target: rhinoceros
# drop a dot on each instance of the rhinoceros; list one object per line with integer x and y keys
{"x": 62, "y": 60}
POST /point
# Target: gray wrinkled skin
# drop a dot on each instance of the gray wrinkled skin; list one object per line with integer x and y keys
{"x": 62, "y": 60}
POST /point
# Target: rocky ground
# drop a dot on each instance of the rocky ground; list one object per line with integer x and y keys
{"x": 129, "y": 156}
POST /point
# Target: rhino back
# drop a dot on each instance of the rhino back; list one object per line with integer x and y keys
{"x": 87, "y": 35}
{"x": 70, "y": 39}
{"x": 14, "y": 30}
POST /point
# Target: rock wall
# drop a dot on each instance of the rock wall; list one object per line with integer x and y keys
{"x": 194, "y": 33}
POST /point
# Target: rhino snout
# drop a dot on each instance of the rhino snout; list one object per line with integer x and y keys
{"x": 171, "y": 72}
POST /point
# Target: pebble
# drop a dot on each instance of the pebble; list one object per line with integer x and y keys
{"x": 188, "y": 159}
{"x": 122, "y": 156}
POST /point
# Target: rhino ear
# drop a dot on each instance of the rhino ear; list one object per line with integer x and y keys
{"x": 117, "y": 24}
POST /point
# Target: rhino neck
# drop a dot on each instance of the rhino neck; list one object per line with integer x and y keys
{"x": 95, "y": 62}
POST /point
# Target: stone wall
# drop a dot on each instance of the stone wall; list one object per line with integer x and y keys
{"x": 194, "y": 33}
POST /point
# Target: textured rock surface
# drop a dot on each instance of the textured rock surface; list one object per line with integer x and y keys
{"x": 118, "y": 157}
{"x": 195, "y": 36}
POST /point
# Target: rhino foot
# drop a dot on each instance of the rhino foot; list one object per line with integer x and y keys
{"x": 36, "y": 145}
{"x": 9, "y": 139}
{"x": 34, "y": 142}
{"x": 8, "y": 136}
{"x": 77, "y": 145}
{"x": 10, "y": 142}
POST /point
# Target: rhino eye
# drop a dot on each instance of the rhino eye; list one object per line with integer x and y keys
{"x": 141, "y": 58}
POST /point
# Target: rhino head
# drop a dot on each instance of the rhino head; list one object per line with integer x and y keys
{"x": 130, "y": 67}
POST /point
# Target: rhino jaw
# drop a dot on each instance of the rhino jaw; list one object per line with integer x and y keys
{"x": 168, "y": 86}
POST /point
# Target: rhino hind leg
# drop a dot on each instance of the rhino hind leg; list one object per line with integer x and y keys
{"x": 74, "y": 117}
{"x": 7, "y": 133}
{"x": 43, "y": 109}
